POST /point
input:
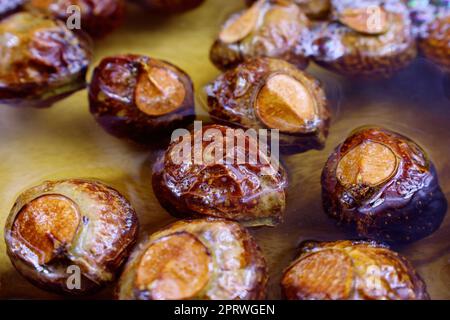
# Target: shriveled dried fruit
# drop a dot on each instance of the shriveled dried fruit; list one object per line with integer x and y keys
{"x": 382, "y": 185}
{"x": 98, "y": 17}
{"x": 221, "y": 180}
{"x": 201, "y": 259}
{"x": 170, "y": 6}
{"x": 70, "y": 223}
{"x": 41, "y": 60}
{"x": 266, "y": 29}
{"x": 351, "y": 270}
{"x": 365, "y": 38}
{"x": 270, "y": 93}
{"x": 140, "y": 98}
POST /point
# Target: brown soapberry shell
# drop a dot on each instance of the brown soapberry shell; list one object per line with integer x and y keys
{"x": 42, "y": 61}
{"x": 351, "y": 270}
{"x": 204, "y": 259}
{"x": 250, "y": 192}
{"x": 267, "y": 93}
{"x": 383, "y": 186}
{"x": 365, "y": 39}
{"x": 59, "y": 225}
{"x": 140, "y": 98}
{"x": 266, "y": 29}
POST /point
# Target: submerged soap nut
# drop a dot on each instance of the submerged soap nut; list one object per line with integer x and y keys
{"x": 63, "y": 229}
{"x": 351, "y": 270}
{"x": 266, "y": 29}
{"x": 272, "y": 94}
{"x": 41, "y": 60}
{"x": 205, "y": 259}
{"x": 98, "y": 17}
{"x": 369, "y": 38}
{"x": 169, "y": 6}
{"x": 216, "y": 171}
{"x": 383, "y": 186}
{"x": 140, "y": 98}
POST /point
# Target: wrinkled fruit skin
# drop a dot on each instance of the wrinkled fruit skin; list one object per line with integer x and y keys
{"x": 237, "y": 269}
{"x": 112, "y": 99}
{"x": 97, "y": 17}
{"x": 104, "y": 232}
{"x": 407, "y": 207}
{"x": 43, "y": 61}
{"x": 354, "y": 54}
{"x": 170, "y": 6}
{"x": 231, "y": 100}
{"x": 351, "y": 270}
{"x": 231, "y": 190}
{"x": 280, "y": 31}
{"x": 314, "y": 9}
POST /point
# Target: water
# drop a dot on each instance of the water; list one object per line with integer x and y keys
{"x": 65, "y": 142}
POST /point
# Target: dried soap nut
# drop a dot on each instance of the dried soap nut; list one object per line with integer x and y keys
{"x": 382, "y": 186}
{"x": 203, "y": 259}
{"x": 140, "y": 98}
{"x": 59, "y": 225}
{"x": 351, "y": 270}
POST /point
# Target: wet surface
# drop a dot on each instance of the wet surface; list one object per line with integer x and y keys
{"x": 65, "y": 142}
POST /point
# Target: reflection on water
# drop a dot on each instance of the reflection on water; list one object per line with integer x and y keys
{"x": 64, "y": 142}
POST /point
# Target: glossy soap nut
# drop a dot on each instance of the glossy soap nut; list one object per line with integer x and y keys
{"x": 368, "y": 38}
{"x": 41, "y": 60}
{"x": 265, "y": 93}
{"x": 268, "y": 28}
{"x": 382, "y": 185}
{"x": 60, "y": 227}
{"x": 351, "y": 270}
{"x": 205, "y": 259}
{"x": 170, "y": 6}
{"x": 314, "y": 9}
{"x": 98, "y": 17}
{"x": 215, "y": 177}
{"x": 140, "y": 98}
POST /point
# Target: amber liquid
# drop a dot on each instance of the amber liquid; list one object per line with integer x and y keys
{"x": 65, "y": 142}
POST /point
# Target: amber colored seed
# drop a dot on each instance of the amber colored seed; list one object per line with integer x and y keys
{"x": 370, "y": 163}
{"x": 174, "y": 267}
{"x": 159, "y": 91}
{"x": 371, "y": 20}
{"x": 241, "y": 26}
{"x": 46, "y": 225}
{"x": 327, "y": 274}
{"x": 284, "y": 103}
